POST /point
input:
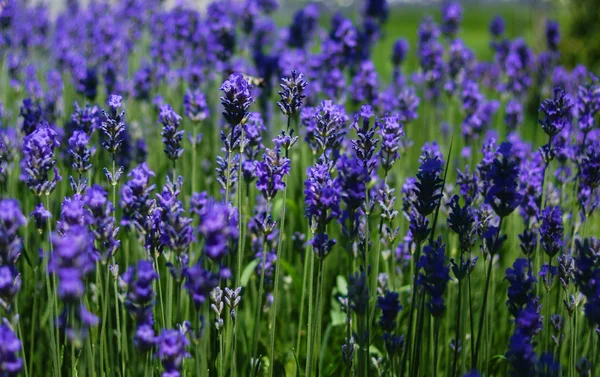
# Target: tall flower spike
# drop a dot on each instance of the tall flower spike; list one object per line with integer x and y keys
{"x": 292, "y": 94}
{"x": 113, "y": 126}
{"x": 101, "y": 220}
{"x": 504, "y": 195}
{"x": 428, "y": 188}
{"x": 38, "y": 160}
{"x": 551, "y": 231}
{"x": 172, "y": 135}
{"x": 521, "y": 285}
{"x": 139, "y": 301}
{"x": 11, "y": 219}
{"x": 236, "y": 99}
{"x": 389, "y": 304}
{"x": 135, "y": 198}
{"x": 557, "y": 112}
{"x": 218, "y": 226}
{"x": 366, "y": 143}
{"x": 172, "y": 351}
{"x": 195, "y": 106}
{"x": 199, "y": 283}
{"x": 175, "y": 229}
{"x": 270, "y": 172}
{"x": 11, "y": 364}
{"x": 391, "y": 133}
{"x": 435, "y": 276}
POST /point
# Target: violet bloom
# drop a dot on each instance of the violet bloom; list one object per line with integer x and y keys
{"x": 199, "y": 283}
{"x": 72, "y": 261}
{"x": 86, "y": 119}
{"x": 11, "y": 364}
{"x": 552, "y": 35}
{"x": 38, "y": 160}
{"x": 503, "y": 195}
{"x": 303, "y": 26}
{"x": 451, "y": 18}
{"x": 292, "y": 94}
{"x": 113, "y": 126}
{"x": 435, "y": 276}
{"x": 218, "y": 226}
{"x": 389, "y": 304}
{"x": 521, "y": 353}
{"x": 172, "y": 136}
{"x": 322, "y": 196}
{"x": 391, "y": 132}
{"x": 32, "y": 115}
{"x": 172, "y": 346}
{"x": 518, "y": 65}
{"x": 521, "y": 285}
{"x": 352, "y": 180}
{"x": 11, "y": 219}
{"x": 101, "y": 220}
{"x": 325, "y": 128}
{"x": 513, "y": 116}
{"x": 139, "y": 301}
{"x": 253, "y": 128}
{"x": 195, "y": 106}
{"x": 366, "y": 143}
{"x": 399, "y": 52}
{"x": 497, "y": 27}
{"x": 461, "y": 220}
{"x": 236, "y": 99}
{"x": 270, "y": 172}
{"x": 175, "y": 229}
{"x": 557, "y": 112}
{"x": 40, "y": 216}
{"x": 135, "y": 198}
{"x": 364, "y": 86}
{"x": 428, "y": 188}
{"x": 551, "y": 231}
{"x": 588, "y": 105}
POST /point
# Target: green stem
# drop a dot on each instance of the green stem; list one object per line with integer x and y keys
{"x": 483, "y": 309}
{"x": 273, "y": 313}
{"x": 261, "y": 287}
{"x": 302, "y": 300}
{"x": 315, "y": 325}
{"x": 51, "y": 294}
{"x": 310, "y": 315}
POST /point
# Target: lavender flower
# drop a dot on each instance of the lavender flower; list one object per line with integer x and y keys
{"x": 435, "y": 276}
{"x": 451, "y": 18}
{"x": 389, "y": 304}
{"x": 270, "y": 172}
{"x": 399, "y": 52}
{"x": 11, "y": 219}
{"x": 139, "y": 301}
{"x": 552, "y": 35}
{"x": 175, "y": 229}
{"x": 497, "y": 26}
{"x": 513, "y": 115}
{"x": 38, "y": 160}
{"x": 236, "y": 99}
{"x": 556, "y": 113}
{"x": 11, "y": 364}
{"x": 428, "y": 188}
{"x": 391, "y": 132}
{"x": 32, "y": 114}
{"x": 292, "y": 94}
{"x": 551, "y": 231}
{"x": 322, "y": 197}
{"x": 521, "y": 286}
{"x": 171, "y": 134}
{"x": 135, "y": 198}
{"x": 172, "y": 346}
{"x": 503, "y": 194}
{"x": 218, "y": 225}
{"x": 101, "y": 220}
{"x": 113, "y": 126}
{"x": 199, "y": 283}
{"x": 72, "y": 260}
{"x": 195, "y": 106}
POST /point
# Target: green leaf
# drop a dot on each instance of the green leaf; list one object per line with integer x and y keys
{"x": 248, "y": 272}
{"x": 341, "y": 285}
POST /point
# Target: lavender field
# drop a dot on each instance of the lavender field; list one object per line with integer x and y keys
{"x": 248, "y": 191}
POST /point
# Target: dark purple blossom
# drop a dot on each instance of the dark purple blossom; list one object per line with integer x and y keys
{"x": 389, "y": 304}
{"x": 113, "y": 125}
{"x": 451, "y": 18}
{"x": 11, "y": 364}
{"x": 551, "y": 230}
{"x": 39, "y": 160}
{"x": 11, "y": 219}
{"x": 236, "y": 99}
{"x": 557, "y": 112}
{"x": 135, "y": 198}
{"x": 32, "y": 115}
{"x": 172, "y": 136}
{"x": 503, "y": 195}
{"x": 176, "y": 232}
{"x": 497, "y": 26}
{"x": 292, "y": 94}
{"x": 101, "y": 220}
{"x": 434, "y": 276}
{"x": 270, "y": 173}
{"x": 552, "y": 35}
{"x": 521, "y": 286}
{"x": 199, "y": 283}
{"x": 172, "y": 351}
{"x": 195, "y": 106}
{"x": 218, "y": 226}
